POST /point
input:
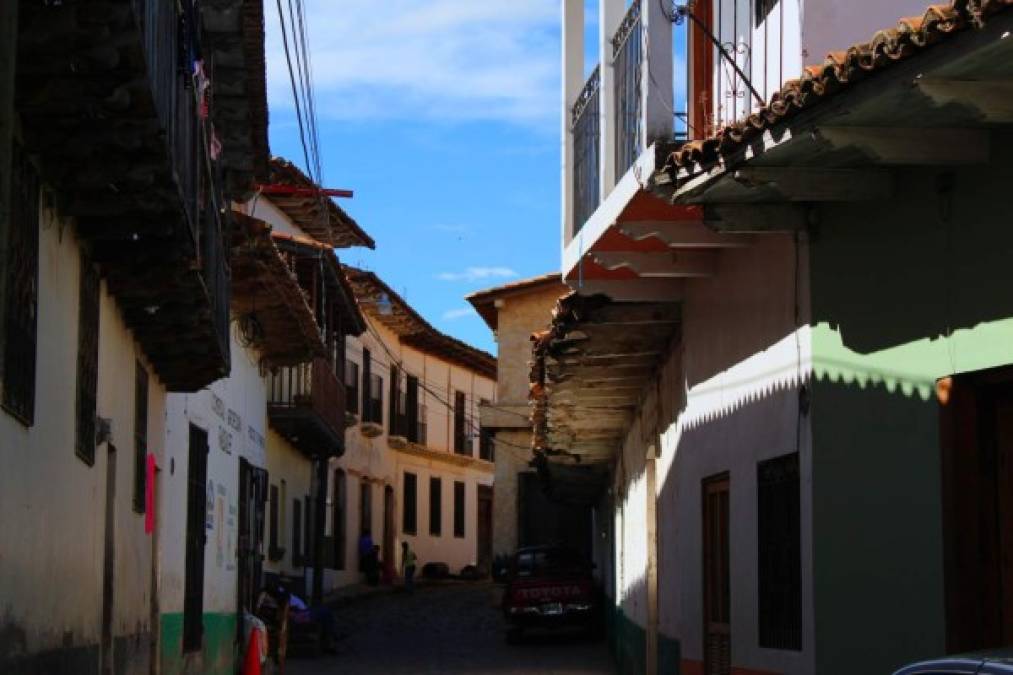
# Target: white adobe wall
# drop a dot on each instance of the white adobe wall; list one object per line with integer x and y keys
{"x": 372, "y": 460}
{"x": 51, "y": 586}
{"x": 733, "y": 383}
{"x": 233, "y": 413}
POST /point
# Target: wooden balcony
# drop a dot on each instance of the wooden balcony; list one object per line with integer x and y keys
{"x": 114, "y": 104}
{"x": 306, "y": 405}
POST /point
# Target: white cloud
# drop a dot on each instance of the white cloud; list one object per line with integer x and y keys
{"x": 477, "y": 274}
{"x": 458, "y": 313}
{"x": 443, "y": 59}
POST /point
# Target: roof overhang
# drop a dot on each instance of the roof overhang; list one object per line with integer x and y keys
{"x": 590, "y": 371}
{"x": 267, "y": 298}
{"x": 390, "y": 310}
{"x": 928, "y": 94}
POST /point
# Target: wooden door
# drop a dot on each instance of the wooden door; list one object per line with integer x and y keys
{"x": 716, "y": 586}
{"x": 977, "y": 494}
{"x": 484, "y": 523}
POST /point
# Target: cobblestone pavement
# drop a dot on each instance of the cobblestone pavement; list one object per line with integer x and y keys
{"x": 446, "y": 629}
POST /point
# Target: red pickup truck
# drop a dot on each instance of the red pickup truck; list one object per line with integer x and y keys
{"x": 550, "y": 587}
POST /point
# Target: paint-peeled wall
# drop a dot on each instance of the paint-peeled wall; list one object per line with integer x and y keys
{"x": 54, "y": 504}
{"x": 232, "y": 411}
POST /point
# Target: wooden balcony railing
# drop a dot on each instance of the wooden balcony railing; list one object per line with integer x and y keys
{"x": 312, "y": 388}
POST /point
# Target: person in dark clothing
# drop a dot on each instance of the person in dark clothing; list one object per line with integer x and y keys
{"x": 365, "y": 549}
{"x": 408, "y": 561}
{"x": 372, "y": 566}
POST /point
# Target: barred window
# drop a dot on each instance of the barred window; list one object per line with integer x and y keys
{"x": 140, "y": 435}
{"x": 21, "y": 298}
{"x": 352, "y": 386}
{"x": 461, "y": 445}
{"x": 409, "y": 510}
{"x": 435, "y": 506}
{"x": 458, "y": 509}
{"x": 763, "y": 8}
{"x": 780, "y": 553}
{"x": 87, "y": 360}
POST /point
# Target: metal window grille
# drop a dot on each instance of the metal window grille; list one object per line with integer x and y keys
{"x": 352, "y": 387}
{"x": 308, "y": 534}
{"x": 395, "y": 412}
{"x": 87, "y": 360}
{"x": 460, "y": 435}
{"x": 22, "y": 293}
{"x": 780, "y": 553}
{"x": 626, "y": 62}
{"x": 366, "y": 382}
{"x": 339, "y": 516}
{"x": 140, "y": 435}
{"x": 196, "y": 538}
{"x": 374, "y": 408}
{"x": 411, "y": 408}
{"x": 423, "y": 424}
{"x": 585, "y": 127}
{"x": 409, "y": 524}
{"x": 297, "y": 558}
{"x": 458, "y": 509}
{"x": 435, "y": 506}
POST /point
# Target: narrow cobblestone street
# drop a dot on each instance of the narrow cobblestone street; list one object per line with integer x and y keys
{"x": 446, "y": 629}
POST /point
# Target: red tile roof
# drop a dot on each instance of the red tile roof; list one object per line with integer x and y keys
{"x": 838, "y": 71}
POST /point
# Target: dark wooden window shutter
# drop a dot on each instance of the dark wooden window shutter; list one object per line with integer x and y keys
{"x": 459, "y": 505}
{"x": 87, "y": 360}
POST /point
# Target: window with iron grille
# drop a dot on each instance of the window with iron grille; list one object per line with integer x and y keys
{"x": 339, "y": 517}
{"x": 435, "y": 506}
{"x": 297, "y": 531}
{"x": 409, "y": 524}
{"x": 274, "y": 553}
{"x": 460, "y": 436}
{"x": 458, "y": 509}
{"x": 21, "y": 299}
{"x": 367, "y": 366}
{"x": 140, "y": 435}
{"x": 780, "y": 553}
{"x": 352, "y": 387}
{"x": 87, "y": 360}
{"x": 394, "y": 402}
{"x": 196, "y": 538}
{"x": 485, "y": 445}
{"x": 423, "y": 424}
{"x": 374, "y": 402}
{"x": 411, "y": 408}
{"x": 308, "y": 533}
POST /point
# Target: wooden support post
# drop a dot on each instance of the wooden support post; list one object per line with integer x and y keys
{"x": 652, "y": 555}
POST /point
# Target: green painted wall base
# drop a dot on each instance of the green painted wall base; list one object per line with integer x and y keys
{"x": 628, "y": 643}
{"x": 218, "y": 656}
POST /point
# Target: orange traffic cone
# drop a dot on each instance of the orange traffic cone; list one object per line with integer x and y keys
{"x": 251, "y": 664}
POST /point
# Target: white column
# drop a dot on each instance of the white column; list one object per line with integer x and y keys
{"x": 573, "y": 82}
{"x": 656, "y": 73}
{"x": 610, "y": 13}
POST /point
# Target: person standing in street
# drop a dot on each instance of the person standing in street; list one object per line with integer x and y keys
{"x": 408, "y": 561}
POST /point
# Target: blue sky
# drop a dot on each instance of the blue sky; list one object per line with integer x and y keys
{"x": 444, "y": 117}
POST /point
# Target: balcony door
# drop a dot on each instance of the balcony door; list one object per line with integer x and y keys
{"x": 716, "y": 586}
